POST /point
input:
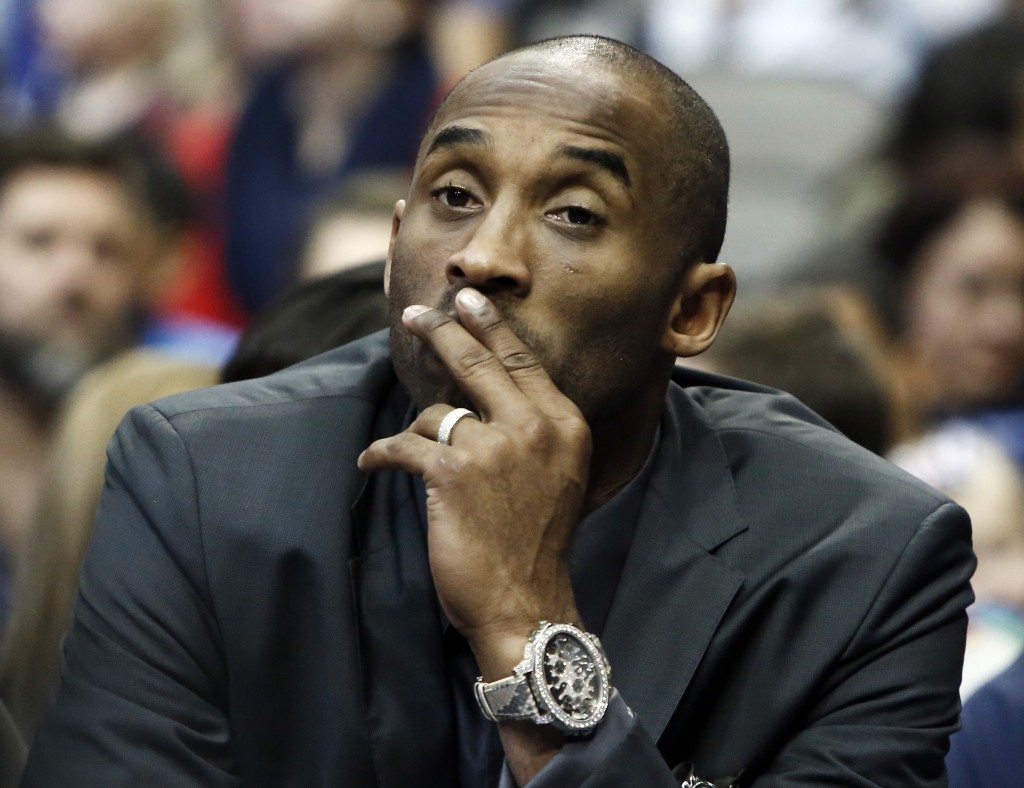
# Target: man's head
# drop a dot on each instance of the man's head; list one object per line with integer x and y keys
{"x": 582, "y": 187}
{"x": 84, "y": 241}
{"x": 956, "y": 246}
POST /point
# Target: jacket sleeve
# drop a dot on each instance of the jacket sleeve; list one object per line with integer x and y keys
{"x": 141, "y": 701}
{"x": 885, "y": 713}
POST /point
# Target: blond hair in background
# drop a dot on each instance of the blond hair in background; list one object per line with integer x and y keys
{"x": 47, "y": 571}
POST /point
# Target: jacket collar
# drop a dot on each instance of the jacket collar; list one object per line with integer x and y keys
{"x": 674, "y": 592}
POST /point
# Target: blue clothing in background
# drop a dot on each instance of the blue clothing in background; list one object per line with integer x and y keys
{"x": 1006, "y": 425}
{"x": 270, "y": 195}
{"x": 31, "y": 82}
{"x": 988, "y": 751}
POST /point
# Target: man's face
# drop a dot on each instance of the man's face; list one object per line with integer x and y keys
{"x": 73, "y": 256}
{"x": 965, "y": 307}
{"x": 98, "y": 33}
{"x": 541, "y": 184}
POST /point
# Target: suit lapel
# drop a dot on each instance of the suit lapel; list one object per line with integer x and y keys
{"x": 673, "y": 592}
{"x": 406, "y": 688}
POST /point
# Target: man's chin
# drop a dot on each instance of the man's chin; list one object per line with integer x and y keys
{"x": 44, "y": 371}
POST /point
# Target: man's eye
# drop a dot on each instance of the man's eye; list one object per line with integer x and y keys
{"x": 39, "y": 240}
{"x": 578, "y": 216}
{"x": 453, "y": 196}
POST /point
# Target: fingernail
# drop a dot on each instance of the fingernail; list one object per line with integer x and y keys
{"x": 413, "y": 310}
{"x": 470, "y": 299}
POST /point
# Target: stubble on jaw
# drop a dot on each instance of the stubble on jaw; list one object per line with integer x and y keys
{"x": 599, "y": 381}
{"x": 428, "y": 383}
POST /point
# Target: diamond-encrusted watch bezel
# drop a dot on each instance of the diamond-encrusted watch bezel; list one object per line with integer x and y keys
{"x": 548, "y": 704}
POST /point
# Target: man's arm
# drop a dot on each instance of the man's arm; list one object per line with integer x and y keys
{"x": 140, "y": 701}
{"x": 886, "y": 711}
{"x": 497, "y": 555}
{"x": 502, "y": 501}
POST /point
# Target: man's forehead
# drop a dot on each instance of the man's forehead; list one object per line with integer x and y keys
{"x": 534, "y": 85}
{"x": 532, "y": 72}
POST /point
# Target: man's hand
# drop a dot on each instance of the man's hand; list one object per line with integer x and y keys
{"x": 504, "y": 498}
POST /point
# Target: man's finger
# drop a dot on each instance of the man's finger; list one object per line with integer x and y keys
{"x": 475, "y": 368}
{"x": 492, "y": 365}
{"x": 405, "y": 451}
{"x": 485, "y": 322}
{"x": 432, "y": 421}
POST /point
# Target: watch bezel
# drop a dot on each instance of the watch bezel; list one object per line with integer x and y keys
{"x": 551, "y": 711}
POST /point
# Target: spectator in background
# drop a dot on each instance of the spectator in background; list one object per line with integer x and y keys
{"x": 825, "y": 347}
{"x": 972, "y": 469}
{"x": 987, "y": 752}
{"x": 342, "y": 300}
{"x": 55, "y": 542}
{"x": 341, "y": 86}
{"x": 88, "y": 236}
{"x": 156, "y": 70}
{"x": 311, "y": 317}
{"x": 966, "y": 95}
{"x": 353, "y": 226}
{"x": 465, "y": 33}
{"x": 968, "y": 88}
{"x": 955, "y": 245}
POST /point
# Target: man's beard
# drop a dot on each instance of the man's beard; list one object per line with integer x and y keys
{"x": 41, "y": 372}
{"x": 583, "y": 378}
{"x": 426, "y": 383}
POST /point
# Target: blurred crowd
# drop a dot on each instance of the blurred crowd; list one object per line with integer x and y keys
{"x": 198, "y": 191}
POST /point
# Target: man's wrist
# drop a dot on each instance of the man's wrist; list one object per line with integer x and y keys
{"x": 499, "y": 648}
{"x": 497, "y": 654}
{"x": 563, "y": 680}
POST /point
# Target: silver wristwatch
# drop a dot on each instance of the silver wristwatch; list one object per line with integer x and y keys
{"x": 564, "y": 680}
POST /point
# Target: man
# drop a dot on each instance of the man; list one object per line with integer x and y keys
{"x": 85, "y": 244}
{"x": 298, "y": 580}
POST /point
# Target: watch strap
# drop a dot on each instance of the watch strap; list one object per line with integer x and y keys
{"x": 506, "y": 699}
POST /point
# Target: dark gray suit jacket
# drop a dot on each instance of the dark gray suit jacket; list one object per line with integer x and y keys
{"x": 253, "y": 612}
{"x": 12, "y": 750}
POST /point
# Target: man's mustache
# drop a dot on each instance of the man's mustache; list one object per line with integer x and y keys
{"x": 505, "y": 306}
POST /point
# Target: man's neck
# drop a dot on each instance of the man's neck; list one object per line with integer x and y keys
{"x": 621, "y": 446}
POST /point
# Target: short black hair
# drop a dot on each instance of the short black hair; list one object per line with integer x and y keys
{"x": 310, "y": 318}
{"x": 948, "y": 179}
{"x": 697, "y": 154}
{"x": 151, "y": 181}
{"x": 968, "y": 87}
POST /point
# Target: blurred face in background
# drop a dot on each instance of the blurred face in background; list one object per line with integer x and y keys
{"x": 74, "y": 259}
{"x": 93, "y": 34}
{"x": 269, "y": 29}
{"x": 965, "y": 308}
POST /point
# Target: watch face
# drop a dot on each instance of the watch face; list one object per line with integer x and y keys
{"x": 571, "y": 679}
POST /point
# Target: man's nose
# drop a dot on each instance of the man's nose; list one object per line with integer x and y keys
{"x": 495, "y": 258}
{"x": 75, "y": 269}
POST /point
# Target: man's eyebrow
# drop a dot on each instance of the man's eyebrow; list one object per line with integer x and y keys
{"x": 457, "y": 135}
{"x": 606, "y": 159}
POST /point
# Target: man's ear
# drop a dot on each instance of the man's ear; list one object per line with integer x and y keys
{"x": 705, "y": 296}
{"x": 396, "y": 222}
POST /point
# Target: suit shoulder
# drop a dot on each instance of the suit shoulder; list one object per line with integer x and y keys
{"x": 360, "y": 370}
{"x": 779, "y": 443}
